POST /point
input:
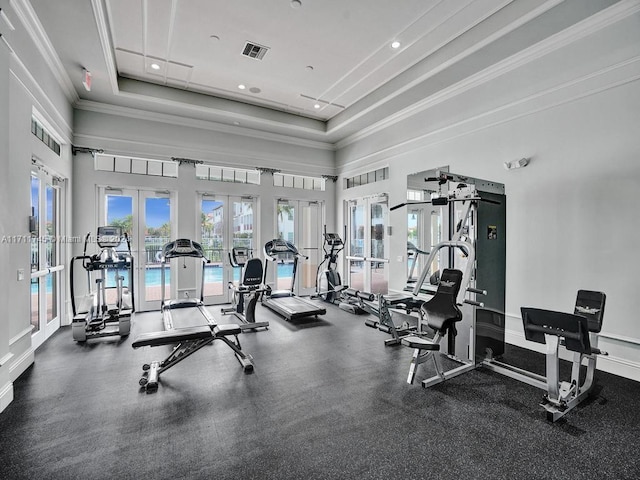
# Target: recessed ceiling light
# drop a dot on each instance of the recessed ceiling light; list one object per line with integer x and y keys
{"x": 317, "y": 105}
{"x": 296, "y": 3}
{"x": 395, "y": 44}
{"x": 241, "y": 86}
{"x": 255, "y": 90}
{"x": 309, "y": 67}
{"x": 155, "y": 66}
{"x": 214, "y": 37}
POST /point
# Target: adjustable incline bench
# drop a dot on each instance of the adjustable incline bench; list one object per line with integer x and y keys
{"x": 187, "y": 323}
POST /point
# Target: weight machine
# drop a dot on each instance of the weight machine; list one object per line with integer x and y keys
{"x": 478, "y": 328}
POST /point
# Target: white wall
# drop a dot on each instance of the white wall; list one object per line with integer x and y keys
{"x": 571, "y": 213}
{"x": 26, "y": 84}
{"x": 162, "y": 140}
{"x": 6, "y": 386}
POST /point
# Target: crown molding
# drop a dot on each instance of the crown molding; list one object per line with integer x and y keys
{"x": 29, "y": 19}
{"x": 99, "y": 8}
{"x": 613, "y": 76}
{"x": 24, "y": 77}
{"x": 234, "y": 158}
{"x": 172, "y": 119}
{"x": 518, "y": 21}
{"x": 589, "y": 26}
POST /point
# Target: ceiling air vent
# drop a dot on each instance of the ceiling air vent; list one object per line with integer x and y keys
{"x": 254, "y": 50}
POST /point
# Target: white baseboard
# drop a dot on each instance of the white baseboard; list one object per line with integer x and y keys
{"x": 607, "y": 363}
{"x": 23, "y": 362}
{"x": 6, "y": 396}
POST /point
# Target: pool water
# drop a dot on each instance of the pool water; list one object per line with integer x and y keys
{"x": 152, "y": 278}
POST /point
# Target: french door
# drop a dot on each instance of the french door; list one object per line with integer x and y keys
{"x": 299, "y": 222}
{"x": 46, "y": 262}
{"x": 225, "y": 222}
{"x": 148, "y": 218}
{"x": 368, "y": 255}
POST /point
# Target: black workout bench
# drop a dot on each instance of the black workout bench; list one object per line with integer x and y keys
{"x": 189, "y": 340}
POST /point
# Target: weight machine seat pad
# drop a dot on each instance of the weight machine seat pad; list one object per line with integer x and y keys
{"x": 441, "y": 310}
{"x": 590, "y": 304}
{"x": 572, "y": 328}
{"x": 420, "y": 343}
{"x": 178, "y": 335}
{"x": 155, "y": 339}
{"x": 395, "y": 298}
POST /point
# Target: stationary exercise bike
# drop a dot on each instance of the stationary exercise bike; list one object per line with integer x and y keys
{"x": 99, "y": 316}
{"x": 250, "y": 285}
{"x": 328, "y": 283}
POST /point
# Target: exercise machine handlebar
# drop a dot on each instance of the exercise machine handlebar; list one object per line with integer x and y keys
{"x": 467, "y": 248}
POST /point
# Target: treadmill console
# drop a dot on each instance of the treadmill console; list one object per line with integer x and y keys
{"x": 278, "y": 246}
{"x": 183, "y": 247}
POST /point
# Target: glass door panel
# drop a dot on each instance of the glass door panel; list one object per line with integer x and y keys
{"x": 51, "y": 251}
{"x": 35, "y": 253}
{"x": 156, "y": 216}
{"x": 119, "y": 212}
{"x": 368, "y": 244}
{"x": 378, "y": 214}
{"x": 310, "y": 237}
{"x": 212, "y": 231}
{"x": 299, "y": 222}
{"x": 242, "y": 229}
{"x": 45, "y": 256}
{"x": 225, "y": 222}
{"x": 286, "y": 218}
{"x": 147, "y": 218}
{"x": 356, "y": 246}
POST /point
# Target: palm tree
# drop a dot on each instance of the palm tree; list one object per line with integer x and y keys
{"x": 125, "y": 224}
{"x": 206, "y": 224}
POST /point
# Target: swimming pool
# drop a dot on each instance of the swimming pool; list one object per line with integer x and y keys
{"x": 152, "y": 276}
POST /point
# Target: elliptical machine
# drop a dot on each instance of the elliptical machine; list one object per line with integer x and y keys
{"x": 99, "y": 316}
{"x": 328, "y": 283}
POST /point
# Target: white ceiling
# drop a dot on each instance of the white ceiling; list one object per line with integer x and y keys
{"x": 334, "y": 53}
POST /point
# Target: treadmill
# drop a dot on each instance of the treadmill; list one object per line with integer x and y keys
{"x": 285, "y": 302}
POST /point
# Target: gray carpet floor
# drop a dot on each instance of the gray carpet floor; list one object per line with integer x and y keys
{"x": 327, "y": 400}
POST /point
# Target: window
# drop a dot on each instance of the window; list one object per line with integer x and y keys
{"x": 369, "y": 177}
{"x": 414, "y": 195}
{"x": 138, "y": 166}
{"x": 39, "y": 131}
{"x": 298, "y": 181}
{"x": 227, "y": 174}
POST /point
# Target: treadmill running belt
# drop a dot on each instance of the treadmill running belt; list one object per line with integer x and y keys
{"x": 293, "y": 307}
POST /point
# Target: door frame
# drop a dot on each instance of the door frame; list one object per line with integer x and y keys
{"x": 45, "y": 271}
{"x": 227, "y": 238}
{"x": 367, "y": 258}
{"x": 313, "y": 251}
{"x": 137, "y": 237}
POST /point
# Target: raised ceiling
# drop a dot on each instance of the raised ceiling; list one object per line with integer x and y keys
{"x": 335, "y": 54}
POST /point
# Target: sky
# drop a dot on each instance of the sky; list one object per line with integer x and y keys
{"x": 157, "y": 209}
